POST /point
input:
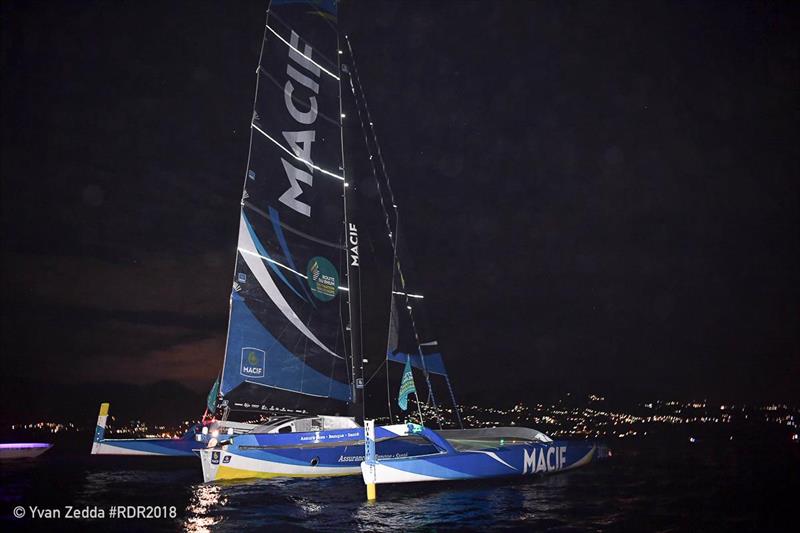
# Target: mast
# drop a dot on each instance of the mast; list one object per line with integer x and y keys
{"x": 353, "y": 272}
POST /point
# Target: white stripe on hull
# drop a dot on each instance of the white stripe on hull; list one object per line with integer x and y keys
{"x": 387, "y": 474}
{"x": 240, "y": 467}
{"x": 103, "y": 448}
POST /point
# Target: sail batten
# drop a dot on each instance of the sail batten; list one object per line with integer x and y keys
{"x": 297, "y": 157}
{"x": 301, "y": 54}
{"x": 297, "y": 232}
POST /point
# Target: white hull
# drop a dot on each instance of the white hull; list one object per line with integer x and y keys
{"x": 239, "y": 467}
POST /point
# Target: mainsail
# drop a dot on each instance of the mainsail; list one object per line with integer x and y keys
{"x": 287, "y": 332}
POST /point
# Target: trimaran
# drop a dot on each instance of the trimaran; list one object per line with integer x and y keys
{"x": 293, "y": 359}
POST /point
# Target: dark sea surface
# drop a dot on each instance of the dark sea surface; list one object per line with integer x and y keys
{"x": 650, "y": 484}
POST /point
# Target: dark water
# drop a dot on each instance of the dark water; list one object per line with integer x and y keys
{"x": 648, "y": 485}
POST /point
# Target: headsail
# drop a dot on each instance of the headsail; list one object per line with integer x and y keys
{"x": 286, "y": 346}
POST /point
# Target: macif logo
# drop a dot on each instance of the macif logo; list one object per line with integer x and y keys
{"x": 353, "y": 245}
{"x": 253, "y": 361}
{"x": 548, "y": 459}
{"x": 300, "y": 141}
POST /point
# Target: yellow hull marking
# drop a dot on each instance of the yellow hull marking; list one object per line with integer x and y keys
{"x": 228, "y": 472}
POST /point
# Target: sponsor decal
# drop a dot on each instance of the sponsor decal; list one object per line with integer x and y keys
{"x": 353, "y": 239}
{"x": 323, "y": 279}
{"x": 547, "y": 459}
{"x": 226, "y": 459}
{"x": 304, "y": 79}
{"x": 359, "y": 458}
{"x": 253, "y": 363}
{"x": 317, "y": 437}
{"x": 214, "y": 458}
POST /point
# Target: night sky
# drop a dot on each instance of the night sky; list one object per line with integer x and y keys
{"x": 599, "y": 197}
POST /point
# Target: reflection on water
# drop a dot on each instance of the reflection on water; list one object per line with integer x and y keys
{"x": 340, "y": 503}
{"x": 204, "y": 500}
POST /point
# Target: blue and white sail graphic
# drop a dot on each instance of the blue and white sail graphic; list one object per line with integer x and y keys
{"x": 287, "y": 337}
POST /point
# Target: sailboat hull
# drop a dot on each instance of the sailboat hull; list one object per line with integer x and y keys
{"x": 223, "y": 465}
{"x": 474, "y": 454}
{"x": 196, "y": 437}
{"x": 311, "y": 454}
{"x": 517, "y": 460}
{"x": 182, "y": 447}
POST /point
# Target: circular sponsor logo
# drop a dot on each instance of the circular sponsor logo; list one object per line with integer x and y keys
{"x": 322, "y": 278}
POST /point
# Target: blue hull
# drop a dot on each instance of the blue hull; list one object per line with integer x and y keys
{"x": 182, "y": 447}
{"x": 516, "y": 460}
{"x": 449, "y": 463}
{"x": 319, "y": 454}
{"x": 179, "y": 447}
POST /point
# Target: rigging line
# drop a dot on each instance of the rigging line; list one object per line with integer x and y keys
{"x": 291, "y": 229}
{"x": 425, "y": 372}
{"x": 392, "y": 308}
{"x": 453, "y": 399}
{"x": 375, "y": 373}
{"x": 295, "y": 99}
{"x": 326, "y": 71}
{"x": 356, "y": 93}
{"x": 371, "y": 157}
{"x": 371, "y": 124}
{"x": 308, "y": 163}
{"x": 424, "y": 366}
{"x": 393, "y": 235}
{"x": 389, "y": 396}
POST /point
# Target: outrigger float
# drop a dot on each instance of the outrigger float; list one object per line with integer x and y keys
{"x": 202, "y": 434}
{"x": 472, "y": 454}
